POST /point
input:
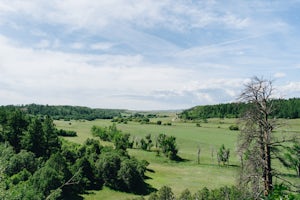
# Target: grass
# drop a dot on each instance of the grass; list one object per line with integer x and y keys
{"x": 178, "y": 175}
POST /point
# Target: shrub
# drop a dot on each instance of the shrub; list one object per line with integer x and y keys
{"x": 234, "y": 127}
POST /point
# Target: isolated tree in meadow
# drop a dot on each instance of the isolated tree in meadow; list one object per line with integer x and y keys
{"x": 167, "y": 144}
{"x": 223, "y": 155}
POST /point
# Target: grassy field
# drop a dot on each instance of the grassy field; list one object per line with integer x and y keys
{"x": 178, "y": 175}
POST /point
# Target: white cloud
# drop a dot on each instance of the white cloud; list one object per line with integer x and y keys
{"x": 43, "y": 44}
{"x": 101, "y": 46}
{"x": 279, "y": 75}
{"x": 77, "y": 45}
{"x": 61, "y": 78}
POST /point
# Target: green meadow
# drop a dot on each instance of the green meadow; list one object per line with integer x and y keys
{"x": 189, "y": 137}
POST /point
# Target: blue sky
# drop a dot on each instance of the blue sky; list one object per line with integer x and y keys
{"x": 145, "y": 55}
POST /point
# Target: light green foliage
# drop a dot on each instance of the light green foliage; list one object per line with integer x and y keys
{"x": 223, "y": 155}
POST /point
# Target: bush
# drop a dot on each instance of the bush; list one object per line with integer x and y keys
{"x": 66, "y": 133}
{"x": 234, "y": 127}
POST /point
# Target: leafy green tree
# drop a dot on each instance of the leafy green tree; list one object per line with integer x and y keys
{"x": 144, "y": 145}
{"x": 202, "y": 194}
{"x": 149, "y": 141}
{"x": 52, "y": 143}
{"x": 165, "y": 193}
{"x": 167, "y": 144}
{"x": 15, "y": 129}
{"x": 185, "y": 195}
{"x": 51, "y": 176}
{"x": 130, "y": 176}
{"x": 121, "y": 141}
{"x": 24, "y": 190}
{"x": 107, "y": 168}
{"x": 34, "y": 140}
{"x": 223, "y": 155}
{"x": 18, "y": 162}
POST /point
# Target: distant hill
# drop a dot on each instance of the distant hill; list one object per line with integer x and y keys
{"x": 283, "y": 108}
{"x": 67, "y": 112}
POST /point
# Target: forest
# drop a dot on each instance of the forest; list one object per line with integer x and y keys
{"x": 283, "y": 108}
{"x": 37, "y": 164}
{"x": 67, "y": 112}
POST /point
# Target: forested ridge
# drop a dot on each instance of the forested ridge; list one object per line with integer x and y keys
{"x": 283, "y": 108}
{"x": 67, "y": 112}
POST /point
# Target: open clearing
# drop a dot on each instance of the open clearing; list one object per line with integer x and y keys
{"x": 179, "y": 175}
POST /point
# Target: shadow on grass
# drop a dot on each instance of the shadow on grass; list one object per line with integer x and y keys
{"x": 73, "y": 197}
{"x": 150, "y": 170}
{"x": 217, "y": 165}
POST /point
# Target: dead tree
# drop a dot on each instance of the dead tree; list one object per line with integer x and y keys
{"x": 256, "y": 134}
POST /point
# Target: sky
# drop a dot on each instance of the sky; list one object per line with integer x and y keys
{"x": 145, "y": 54}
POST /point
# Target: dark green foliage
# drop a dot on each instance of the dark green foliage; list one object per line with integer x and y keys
{"x": 18, "y": 162}
{"x": 281, "y": 191}
{"x": 52, "y": 143}
{"x": 14, "y": 128}
{"x": 146, "y": 143}
{"x": 34, "y": 139}
{"x": 130, "y": 176}
{"x": 121, "y": 141}
{"x": 107, "y": 168}
{"x": 66, "y": 133}
{"x": 143, "y": 144}
{"x": 289, "y": 108}
{"x": 234, "y": 127}
{"x": 21, "y": 176}
{"x": 40, "y": 166}
{"x": 68, "y": 112}
{"x": 167, "y": 144}
{"x": 112, "y": 134}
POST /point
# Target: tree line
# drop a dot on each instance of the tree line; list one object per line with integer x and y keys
{"x": 37, "y": 164}
{"x": 286, "y": 108}
{"x": 66, "y": 112}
